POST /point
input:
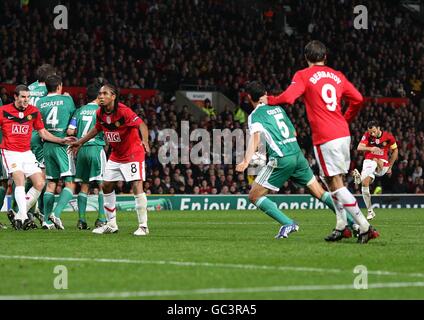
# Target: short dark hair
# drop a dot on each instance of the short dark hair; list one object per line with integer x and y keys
{"x": 315, "y": 51}
{"x": 93, "y": 91}
{"x": 256, "y": 90}
{"x": 372, "y": 124}
{"x": 52, "y": 82}
{"x": 44, "y": 71}
{"x": 19, "y": 88}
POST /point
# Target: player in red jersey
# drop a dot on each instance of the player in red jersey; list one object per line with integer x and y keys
{"x": 322, "y": 89}
{"x": 17, "y": 121}
{"x": 376, "y": 144}
{"x": 122, "y": 128}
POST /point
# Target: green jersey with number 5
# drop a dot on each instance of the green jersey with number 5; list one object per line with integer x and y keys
{"x": 56, "y": 110}
{"x": 83, "y": 120}
{"x": 277, "y": 128}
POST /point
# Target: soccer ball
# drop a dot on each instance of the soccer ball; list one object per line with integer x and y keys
{"x": 258, "y": 159}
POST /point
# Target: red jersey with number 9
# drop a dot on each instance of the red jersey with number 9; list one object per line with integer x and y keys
{"x": 323, "y": 89}
{"x": 121, "y": 129}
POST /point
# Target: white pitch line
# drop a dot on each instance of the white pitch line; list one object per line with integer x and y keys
{"x": 209, "y": 265}
{"x": 206, "y": 291}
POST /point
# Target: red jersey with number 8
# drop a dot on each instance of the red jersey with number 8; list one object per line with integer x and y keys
{"x": 121, "y": 130}
{"x": 323, "y": 89}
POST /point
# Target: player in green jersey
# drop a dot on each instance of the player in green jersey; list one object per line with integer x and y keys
{"x": 57, "y": 110}
{"x": 91, "y": 158}
{"x": 286, "y": 160}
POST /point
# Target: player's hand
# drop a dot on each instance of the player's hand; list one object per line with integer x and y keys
{"x": 66, "y": 94}
{"x": 263, "y": 99}
{"x": 69, "y": 140}
{"x": 146, "y": 147}
{"x": 375, "y": 150}
{"x": 242, "y": 166}
{"x": 389, "y": 171}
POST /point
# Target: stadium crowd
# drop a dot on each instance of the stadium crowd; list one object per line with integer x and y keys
{"x": 221, "y": 45}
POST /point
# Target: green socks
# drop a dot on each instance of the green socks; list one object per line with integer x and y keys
{"x": 326, "y": 198}
{"x": 65, "y": 196}
{"x": 271, "y": 209}
{"x": 101, "y": 216}
{"x": 82, "y": 206}
{"x": 48, "y": 200}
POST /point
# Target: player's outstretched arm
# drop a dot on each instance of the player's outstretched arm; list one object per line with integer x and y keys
{"x": 90, "y": 135}
{"x": 251, "y": 149}
{"x": 45, "y": 135}
{"x": 289, "y": 96}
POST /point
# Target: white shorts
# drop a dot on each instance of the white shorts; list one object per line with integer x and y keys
{"x": 130, "y": 171}
{"x": 20, "y": 161}
{"x": 369, "y": 169}
{"x": 333, "y": 157}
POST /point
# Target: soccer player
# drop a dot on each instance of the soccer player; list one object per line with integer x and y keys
{"x": 286, "y": 160}
{"x": 91, "y": 158}
{"x": 56, "y": 110}
{"x": 17, "y": 121}
{"x": 38, "y": 90}
{"x": 122, "y": 129}
{"x": 322, "y": 89}
{"x": 376, "y": 144}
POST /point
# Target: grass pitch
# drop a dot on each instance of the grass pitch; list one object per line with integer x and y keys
{"x": 214, "y": 255}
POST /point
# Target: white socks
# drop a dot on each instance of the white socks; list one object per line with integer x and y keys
{"x": 351, "y": 205}
{"x": 341, "y": 217}
{"x": 32, "y": 197}
{"x": 367, "y": 197}
{"x": 110, "y": 207}
{"x": 141, "y": 208}
{"x": 20, "y": 199}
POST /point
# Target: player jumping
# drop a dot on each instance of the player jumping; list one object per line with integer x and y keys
{"x": 376, "y": 144}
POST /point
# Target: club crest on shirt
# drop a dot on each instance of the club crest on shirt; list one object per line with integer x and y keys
{"x": 29, "y": 117}
{"x": 21, "y": 115}
{"x": 108, "y": 120}
{"x": 117, "y": 123}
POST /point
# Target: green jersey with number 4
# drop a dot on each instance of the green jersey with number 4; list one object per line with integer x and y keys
{"x": 83, "y": 120}
{"x": 56, "y": 110}
{"x": 277, "y": 128}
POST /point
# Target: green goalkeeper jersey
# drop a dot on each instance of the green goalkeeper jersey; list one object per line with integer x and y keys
{"x": 83, "y": 120}
{"x": 56, "y": 110}
{"x": 279, "y": 132}
{"x": 36, "y": 91}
